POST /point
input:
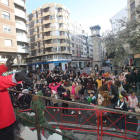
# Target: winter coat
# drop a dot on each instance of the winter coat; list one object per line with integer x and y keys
{"x": 53, "y": 88}
{"x": 67, "y": 98}
{"x": 114, "y": 91}
{"x": 122, "y": 106}
{"x": 129, "y": 78}
{"x": 136, "y": 77}
{"x": 90, "y": 85}
{"x": 7, "y": 115}
{"x": 133, "y": 103}
{"x": 106, "y": 97}
{"x": 77, "y": 88}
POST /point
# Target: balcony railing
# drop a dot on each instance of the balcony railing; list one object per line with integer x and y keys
{"x": 48, "y": 45}
{"x": 47, "y": 37}
{"x": 19, "y": 2}
{"x": 46, "y": 21}
{"x": 20, "y": 13}
{"x": 21, "y": 26}
{"x": 22, "y": 38}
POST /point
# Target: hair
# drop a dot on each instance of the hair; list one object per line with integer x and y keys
{"x": 104, "y": 87}
{"x": 117, "y": 83}
{"x": 92, "y": 93}
{"x": 123, "y": 93}
{"x": 122, "y": 98}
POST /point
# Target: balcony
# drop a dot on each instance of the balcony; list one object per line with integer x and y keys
{"x": 55, "y": 37}
{"x": 66, "y": 52}
{"x": 35, "y": 33}
{"x": 62, "y": 29}
{"x": 48, "y": 45}
{"x": 20, "y": 13}
{"x": 38, "y": 54}
{"x": 46, "y": 21}
{"x": 23, "y": 49}
{"x": 33, "y": 18}
{"x": 41, "y": 46}
{"x": 47, "y": 37}
{"x": 22, "y": 39}
{"x": 63, "y": 44}
{"x": 35, "y": 24}
{"x": 38, "y": 24}
{"x": 21, "y": 26}
{"x": 61, "y": 21}
{"x": 40, "y": 31}
{"x": 20, "y": 3}
{"x": 39, "y": 16}
{"x": 55, "y": 44}
{"x": 47, "y": 29}
{"x": 45, "y": 6}
{"x": 46, "y": 14}
{"x": 63, "y": 37}
{"x": 36, "y": 47}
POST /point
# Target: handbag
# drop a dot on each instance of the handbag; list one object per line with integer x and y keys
{"x": 76, "y": 96}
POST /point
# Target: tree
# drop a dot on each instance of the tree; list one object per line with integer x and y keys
{"x": 125, "y": 42}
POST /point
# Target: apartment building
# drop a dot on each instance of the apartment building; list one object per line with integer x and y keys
{"x": 13, "y": 31}
{"x": 80, "y": 49}
{"x": 49, "y": 37}
{"x": 131, "y": 5}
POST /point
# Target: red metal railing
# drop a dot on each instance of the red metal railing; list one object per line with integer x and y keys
{"x": 93, "y": 128}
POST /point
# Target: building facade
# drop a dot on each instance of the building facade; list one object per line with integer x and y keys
{"x": 123, "y": 14}
{"x": 13, "y": 31}
{"x": 49, "y": 37}
{"x": 82, "y": 50}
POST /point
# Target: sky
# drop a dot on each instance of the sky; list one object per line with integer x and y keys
{"x": 86, "y": 12}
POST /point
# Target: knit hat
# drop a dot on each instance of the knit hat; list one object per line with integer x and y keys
{"x": 100, "y": 101}
{"x": 53, "y": 84}
{"x": 25, "y": 91}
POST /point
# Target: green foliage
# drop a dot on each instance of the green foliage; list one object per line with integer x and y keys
{"x": 42, "y": 121}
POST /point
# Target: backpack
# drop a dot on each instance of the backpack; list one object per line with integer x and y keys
{"x": 100, "y": 97}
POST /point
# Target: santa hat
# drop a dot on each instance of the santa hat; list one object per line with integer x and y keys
{"x": 100, "y": 101}
{"x": 53, "y": 84}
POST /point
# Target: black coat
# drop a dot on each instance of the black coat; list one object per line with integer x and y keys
{"x": 129, "y": 78}
{"x": 67, "y": 98}
{"x": 114, "y": 91}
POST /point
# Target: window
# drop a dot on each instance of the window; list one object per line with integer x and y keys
{"x": 6, "y": 2}
{"x": 39, "y": 20}
{"x": 73, "y": 52}
{"x": 133, "y": 16}
{"x": 5, "y": 15}
{"x": 8, "y": 42}
{"x": 7, "y": 29}
{"x": 132, "y": 6}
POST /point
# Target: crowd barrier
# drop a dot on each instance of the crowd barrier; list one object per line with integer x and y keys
{"x": 96, "y": 128}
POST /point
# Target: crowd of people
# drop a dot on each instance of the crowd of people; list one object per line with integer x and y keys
{"x": 103, "y": 88}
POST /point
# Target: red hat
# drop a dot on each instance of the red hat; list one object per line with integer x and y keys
{"x": 56, "y": 83}
{"x": 53, "y": 84}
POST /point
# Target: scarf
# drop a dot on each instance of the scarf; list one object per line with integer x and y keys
{"x": 133, "y": 97}
{"x": 73, "y": 90}
{"x": 120, "y": 104}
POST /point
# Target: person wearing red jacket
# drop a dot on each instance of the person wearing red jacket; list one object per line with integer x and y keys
{"x": 7, "y": 115}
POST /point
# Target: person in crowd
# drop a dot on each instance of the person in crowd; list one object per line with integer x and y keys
{"x": 54, "y": 94}
{"x": 90, "y": 84}
{"x": 74, "y": 92}
{"x": 114, "y": 91}
{"x": 112, "y": 76}
{"x": 65, "y": 96}
{"x": 84, "y": 74}
{"x": 81, "y": 93}
{"x": 106, "y": 75}
{"x": 137, "y": 80}
{"x": 121, "y": 78}
{"x": 77, "y": 79}
{"x": 47, "y": 93}
{"x": 104, "y": 96}
{"x": 123, "y": 93}
{"x": 129, "y": 78}
{"x": 137, "y": 110}
{"x": 115, "y": 72}
{"x": 91, "y": 98}
{"x": 132, "y": 102}
{"x": 99, "y": 82}
{"x": 120, "y": 105}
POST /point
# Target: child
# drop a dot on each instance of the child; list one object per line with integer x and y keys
{"x": 66, "y": 97}
{"x": 99, "y": 112}
{"x": 120, "y": 105}
{"x": 91, "y": 98}
{"x": 123, "y": 93}
{"x": 81, "y": 93}
{"x": 132, "y": 102}
{"x": 54, "y": 94}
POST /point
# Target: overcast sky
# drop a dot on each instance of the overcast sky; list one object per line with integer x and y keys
{"x": 86, "y": 12}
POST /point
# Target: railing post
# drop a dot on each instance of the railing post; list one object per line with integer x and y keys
{"x": 37, "y": 126}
